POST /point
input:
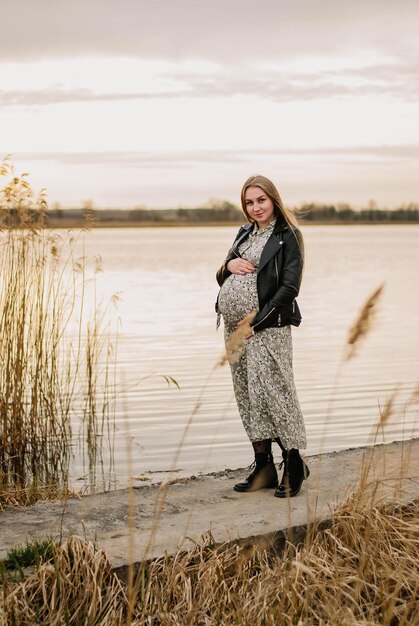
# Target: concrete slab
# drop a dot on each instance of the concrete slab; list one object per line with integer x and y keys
{"x": 147, "y": 521}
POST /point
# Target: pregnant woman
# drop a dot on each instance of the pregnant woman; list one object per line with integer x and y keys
{"x": 260, "y": 280}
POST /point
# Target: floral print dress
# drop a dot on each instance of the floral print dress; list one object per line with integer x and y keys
{"x": 263, "y": 378}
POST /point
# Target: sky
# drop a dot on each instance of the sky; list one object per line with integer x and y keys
{"x": 167, "y": 103}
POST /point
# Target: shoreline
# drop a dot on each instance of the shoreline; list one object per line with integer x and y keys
{"x": 169, "y": 224}
{"x": 159, "y": 518}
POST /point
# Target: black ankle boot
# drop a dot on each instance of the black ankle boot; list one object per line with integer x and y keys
{"x": 263, "y": 476}
{"x": 295, "y": 471}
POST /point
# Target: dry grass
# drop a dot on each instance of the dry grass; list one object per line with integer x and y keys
{"x": 360, "y": 570}
{"x": 54, "y": 363}
{"x": 16, "y": 496}
{"x": 76, "y": 587}
{"x": 363, "y": 323}
{"x": 236, "y": 344}
{"x": 361, "y": 327}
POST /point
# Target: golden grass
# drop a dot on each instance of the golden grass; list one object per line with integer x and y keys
{"x": 55, "y": 364}
{"x": 236, "y": 344}
{"x": 76, "y": 587}
{"x": 363, "y": 323}
{"x": 360, "y": 328}
{"x": 360, "y": 570}
{"x": 17, "y": 496}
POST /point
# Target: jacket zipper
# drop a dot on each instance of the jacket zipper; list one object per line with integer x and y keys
{"x": 264, "y": 318}
{"x": 277, "y": 283}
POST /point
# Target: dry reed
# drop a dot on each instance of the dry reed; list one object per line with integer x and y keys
{"x": 360, "y": 570}
{"x": 358, "y": 331}
{"x": 16, "y": 496}
{"x": 42, "y": 383}
{"x": 363, "y": 323}
{"x": 76, "y": 587}
{"x": 236, "y": 344}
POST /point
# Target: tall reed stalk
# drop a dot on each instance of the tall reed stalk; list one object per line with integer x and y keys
{"x": 44, "y": 379}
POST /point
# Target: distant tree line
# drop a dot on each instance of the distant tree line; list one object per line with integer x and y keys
{"x": 225, "y": 212}
{"x": 343, "y": 213}
{"x": 222, "y": 212}
{"x": 219, "y": 212}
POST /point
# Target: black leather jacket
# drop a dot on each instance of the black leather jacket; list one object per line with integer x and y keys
{"x": 278, "y": 275}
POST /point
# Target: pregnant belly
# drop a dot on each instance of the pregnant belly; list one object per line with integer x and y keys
{"x": 238, "y": 297}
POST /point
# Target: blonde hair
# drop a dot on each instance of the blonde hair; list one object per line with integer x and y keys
{"x": 272, "y": 192}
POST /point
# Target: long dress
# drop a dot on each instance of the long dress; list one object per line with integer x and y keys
{"x": 263, "y": 378}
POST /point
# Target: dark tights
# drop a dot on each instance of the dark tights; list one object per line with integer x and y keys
{"x": 262, "y": 447}
{"x": 265, "y": 446}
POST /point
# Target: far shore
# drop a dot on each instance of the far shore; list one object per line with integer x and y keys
{"x": 176, "y": 224}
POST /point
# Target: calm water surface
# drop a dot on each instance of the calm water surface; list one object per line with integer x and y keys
{"x": 166, "y": 279}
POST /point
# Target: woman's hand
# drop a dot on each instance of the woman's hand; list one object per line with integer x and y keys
{"x": 240, "y": 266}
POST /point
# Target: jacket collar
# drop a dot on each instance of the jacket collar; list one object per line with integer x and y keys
{"x": 243, "y": 233}
{"x": 272, "y": 245}
{"x": 280, "y": 225}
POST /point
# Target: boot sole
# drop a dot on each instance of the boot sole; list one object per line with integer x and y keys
{"x": 249, "y": 489}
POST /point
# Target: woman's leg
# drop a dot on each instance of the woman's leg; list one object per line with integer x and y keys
{"x": 281, "y": 445}
{"x": 262, "y": 447}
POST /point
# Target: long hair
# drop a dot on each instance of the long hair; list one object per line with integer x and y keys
{"x": 280, "y": 210}
{"x": 272, "y": 192}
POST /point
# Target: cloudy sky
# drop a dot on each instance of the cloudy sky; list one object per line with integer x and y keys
{"x": 173, "y": 102}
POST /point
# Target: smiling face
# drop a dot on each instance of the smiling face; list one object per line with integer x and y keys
{"x": 259, "y": 206}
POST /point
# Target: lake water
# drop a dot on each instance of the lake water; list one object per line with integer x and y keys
{"x": 166, "y": 279}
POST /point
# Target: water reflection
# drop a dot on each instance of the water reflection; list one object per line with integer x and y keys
{"x": 167, "y": 284}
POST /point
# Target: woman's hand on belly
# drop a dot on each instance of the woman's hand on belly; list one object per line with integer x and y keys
{"x": 240, "y": 266}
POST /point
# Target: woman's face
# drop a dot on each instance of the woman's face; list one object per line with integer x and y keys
{"x": 259, "y": 206}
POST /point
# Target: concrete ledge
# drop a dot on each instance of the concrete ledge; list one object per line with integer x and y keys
{"x": 147, "y": 521}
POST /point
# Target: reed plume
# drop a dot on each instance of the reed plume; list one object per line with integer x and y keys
{"x": 236, "y": 344}
{"x": 363, "y": 324}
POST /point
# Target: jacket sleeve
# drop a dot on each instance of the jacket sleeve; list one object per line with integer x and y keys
{"x": 289, "y": 284}
{"x": 223, "y": 273}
